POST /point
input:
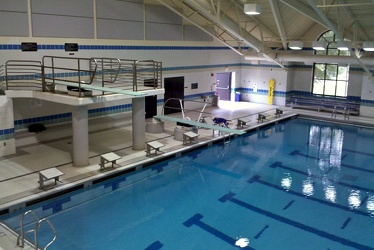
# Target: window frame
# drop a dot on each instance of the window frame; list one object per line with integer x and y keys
{"x": 327, "y": 78}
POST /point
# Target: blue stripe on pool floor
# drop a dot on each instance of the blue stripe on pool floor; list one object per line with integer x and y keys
{"x": 297, "y": 152}
{"x": 155, "y": 246}
{"x": 196, "y": 220}
{"x": 257, "y": 179}
{"x": 320, "y": 233}
{"x": 280, "y": 165}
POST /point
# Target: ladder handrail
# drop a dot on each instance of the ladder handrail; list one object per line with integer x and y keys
{"x": 36, "y": 227}
{"x": 21, "y": 236}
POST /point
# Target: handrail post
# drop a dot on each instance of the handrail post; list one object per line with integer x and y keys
{"x": 135, "y": 77}
{"x": 21, "y": 236}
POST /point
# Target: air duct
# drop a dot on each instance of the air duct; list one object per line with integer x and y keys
{"x": 308, "y": 59}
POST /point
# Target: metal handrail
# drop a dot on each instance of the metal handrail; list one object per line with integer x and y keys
{"x": 56, "y": 66}
{"x": 36, "y": 227}
{"x": 21, "y": 236}
{"x": 27, "y": 71}
{"x": 2, "y": 77}
{"x": 113, "y": 72}
{"x": 148, "y": 66}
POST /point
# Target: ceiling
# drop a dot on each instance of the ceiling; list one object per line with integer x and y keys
{"x": 281, "y": 21}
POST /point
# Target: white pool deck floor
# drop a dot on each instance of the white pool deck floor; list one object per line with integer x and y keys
{"x": 19, "y": 173}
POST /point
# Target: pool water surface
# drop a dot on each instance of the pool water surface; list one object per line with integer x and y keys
{"x": 299, "y": 184}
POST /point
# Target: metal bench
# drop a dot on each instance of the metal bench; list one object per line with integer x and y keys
{"x": 108, "y": 157}
{"x": 49, "y": 174}
{"x": 261, "y": 117}
{"x": 153, "y": 145}
{"x": 241, "y": 123}
{"x": 189, "y": 137}
{"x": 278, "y": 112}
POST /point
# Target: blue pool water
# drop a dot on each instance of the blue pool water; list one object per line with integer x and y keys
{"x": 299, "y": 184}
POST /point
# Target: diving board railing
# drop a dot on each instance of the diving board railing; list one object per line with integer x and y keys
{"x": 22, "y": 74}
{"x": 199, "y": 124}
{"x": 67, "y": 69}
{"x": 2, "y": 79}
{"x": 119, "y": 74}
{"x": 128, "y": 74}
{"x": 21, "y": 237}
{"x": 180, "y": 102}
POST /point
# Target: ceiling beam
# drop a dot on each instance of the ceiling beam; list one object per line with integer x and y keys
{"x": 303, "y": 9}
{"x": 337, "y": 34}
{"x": 278, "y": 21}
{"x": 228, "y": 26}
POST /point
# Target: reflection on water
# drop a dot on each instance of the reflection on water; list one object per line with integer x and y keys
{"x": 370, "y": 205}
{"x": 354, "y": 199}
{"x": 308, "y": 188}
{"x": 326, "y": 143}
{"x": 330, "y": 193}
{"x": 286, "y": 181}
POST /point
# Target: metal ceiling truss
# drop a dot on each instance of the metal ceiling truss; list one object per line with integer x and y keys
{"x": 227, "y": 30}
{"x": 332, "y": 27}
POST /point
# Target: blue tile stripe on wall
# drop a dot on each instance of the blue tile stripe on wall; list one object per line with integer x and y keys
{"x": 54, "y": 119}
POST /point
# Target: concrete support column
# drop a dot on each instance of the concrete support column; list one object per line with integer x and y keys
{"x": 80, "y": 136}
{"x": 7, "y": 141}
{"x": 138, "y": 123}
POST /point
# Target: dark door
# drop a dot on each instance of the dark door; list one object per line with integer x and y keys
{"x": 174, "y": 88}
{"x": 150, "y": 106}
{"x": 223, "y": 87}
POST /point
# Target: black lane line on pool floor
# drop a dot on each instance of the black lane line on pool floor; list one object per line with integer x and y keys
{"x": 257, "y": 179}
{"x": 280, "y": 165}
{"x": 155, "y": 246}
{"x": 196, "y": 220}
{"x": 297, "y": 152}
{"x": 320, "y": 233}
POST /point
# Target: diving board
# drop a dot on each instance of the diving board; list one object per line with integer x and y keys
{"x": 199, "y": 124}
{"x": 104, "y": 89}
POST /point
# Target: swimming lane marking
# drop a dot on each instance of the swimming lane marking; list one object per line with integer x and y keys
{"x": 346, "y": 223}
{"x": 196, "y": 220}
{"x": 289, "y": 204}
{"x": 297, "y": 152}
{"x": 320, "y": 233}
{"x": 155, "y": 246}
{"x": 260, "y": 233}
{"x": 257, "y": 178}
{"x": 280, "y": 165}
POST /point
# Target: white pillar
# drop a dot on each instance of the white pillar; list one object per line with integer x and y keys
{"x": 80, "y": 136}
{"x": 138, "y": 123}
{"x": 7, "y": 141}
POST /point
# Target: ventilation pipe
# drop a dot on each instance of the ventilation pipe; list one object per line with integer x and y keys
{"x": 309, "y": 59}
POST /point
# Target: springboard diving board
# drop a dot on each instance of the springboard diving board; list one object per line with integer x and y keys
{"x": 91, "y": 87}
{"x": 199, "y": 124}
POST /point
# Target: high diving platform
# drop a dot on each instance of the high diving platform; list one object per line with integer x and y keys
{"x": 99, "y": 88}
{"x": 199, "y": 124}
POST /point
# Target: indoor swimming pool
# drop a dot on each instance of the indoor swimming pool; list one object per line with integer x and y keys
{"x": 300, "y": 184}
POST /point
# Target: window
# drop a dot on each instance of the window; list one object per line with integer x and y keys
{"x": 330, "y": 79}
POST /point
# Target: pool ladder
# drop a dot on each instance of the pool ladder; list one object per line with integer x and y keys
{"x": 21, "y": 236}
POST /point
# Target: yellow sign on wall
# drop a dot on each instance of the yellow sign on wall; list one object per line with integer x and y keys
{"x": 271, "y": 91}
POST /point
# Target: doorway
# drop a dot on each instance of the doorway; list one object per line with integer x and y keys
{"x": 174, "y": 88}
{"x": 150, "y": 106}
{"x": 223, "y": 87}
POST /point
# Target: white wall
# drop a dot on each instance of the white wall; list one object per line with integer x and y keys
{"x": 259, "y": 77}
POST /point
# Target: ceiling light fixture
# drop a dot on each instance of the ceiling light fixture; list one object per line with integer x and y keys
{"x": 295, "y": 45}
{"x": 319, "y": 45}
{"x": 252, "y": 9}
{"x": 341, "y": 46}
{"x": 368, "y": 46}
